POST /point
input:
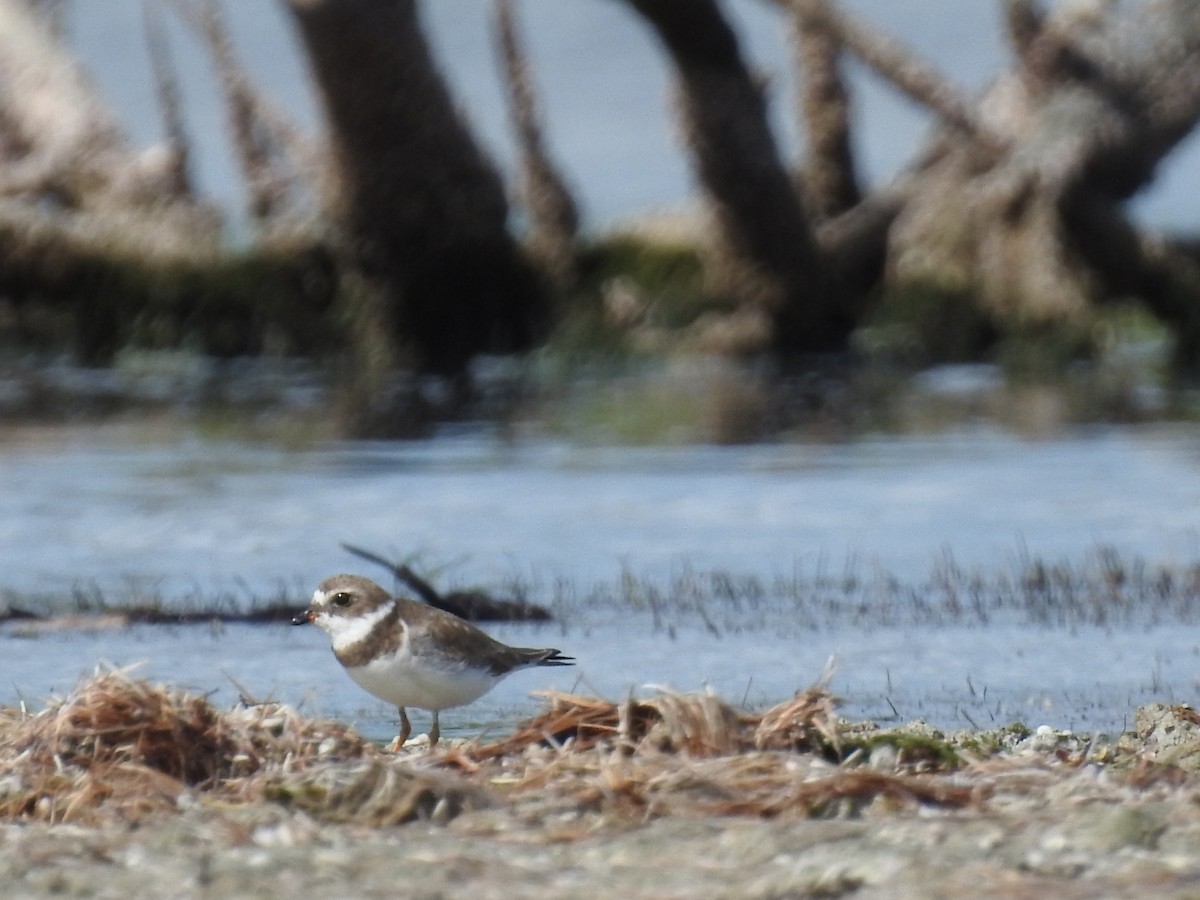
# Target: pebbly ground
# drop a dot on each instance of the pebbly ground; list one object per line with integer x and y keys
{"x": 1106, "y": 848}
{"x": 1051, "y": 815}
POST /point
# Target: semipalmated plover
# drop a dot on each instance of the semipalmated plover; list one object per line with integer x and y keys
{"x": 410, "y": 654}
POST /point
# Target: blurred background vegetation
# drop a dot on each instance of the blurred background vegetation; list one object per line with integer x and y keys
{"x": 391, "y": 265}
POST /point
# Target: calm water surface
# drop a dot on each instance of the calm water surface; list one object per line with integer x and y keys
{"x": 114, "y": 510}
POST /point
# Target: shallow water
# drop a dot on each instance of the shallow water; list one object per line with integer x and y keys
{"x": 118, "y": 510}
{"x": 1084, "y": 680}
{"x": 113, "y": 507}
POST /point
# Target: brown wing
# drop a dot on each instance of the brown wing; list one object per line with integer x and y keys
{"x": 461, "y": 641}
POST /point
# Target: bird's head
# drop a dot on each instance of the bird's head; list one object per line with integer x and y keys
{"x": 344, "y": 604}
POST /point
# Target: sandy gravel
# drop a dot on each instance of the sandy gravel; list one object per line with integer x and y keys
{"x": 1079, "y": 835}
{"x": 1020, "y": 814}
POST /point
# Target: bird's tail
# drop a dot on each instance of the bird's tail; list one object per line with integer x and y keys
{"x": 548, "y": 658}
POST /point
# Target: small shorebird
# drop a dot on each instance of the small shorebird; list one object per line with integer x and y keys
{"x": 410, "y": 654}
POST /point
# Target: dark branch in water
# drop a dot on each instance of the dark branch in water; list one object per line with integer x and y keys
{"x": 474, "y": 606}
{"x": 103, "y": 618}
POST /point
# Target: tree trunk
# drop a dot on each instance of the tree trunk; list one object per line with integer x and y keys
{"x": 280, "y": 166}
{"x": 170, "y": 102}
{"x": 423, "y": 213}
{"x": 766, "y": 253}
{"x": 553, "y": 216}
{"x": 1017, "y": 201}
{"x": 828, "y": 177}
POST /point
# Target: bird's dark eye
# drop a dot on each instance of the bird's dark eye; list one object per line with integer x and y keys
{"x": 341, "y": 599}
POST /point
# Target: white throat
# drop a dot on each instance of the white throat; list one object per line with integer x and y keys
{"x": 347, "y": 631}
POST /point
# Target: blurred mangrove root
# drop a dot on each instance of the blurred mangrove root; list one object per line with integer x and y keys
{"x": 80, "y": 207}
{"x": 766, "y": 254}
{"x": 59, "y": 144}
{"x": 827, "y": 179}
{"x": 422, "y": 213}
{"x": 281, "y": 167}
{"x": 1016, "y": 203}
{"x": 170, "y": 104}
{"x": 553, "y": 216}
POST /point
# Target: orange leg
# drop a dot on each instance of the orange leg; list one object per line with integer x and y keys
{"x": 405, "y": 731}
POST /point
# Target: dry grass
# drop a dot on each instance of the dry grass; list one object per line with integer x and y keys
{"x": 130, "y": 748}
{"x": 694, "y": 754}
{"x": 118, "y": 749}
{"x": 691, "y": 724}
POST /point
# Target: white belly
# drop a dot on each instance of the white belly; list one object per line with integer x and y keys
{"x": 401, "y": 682}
